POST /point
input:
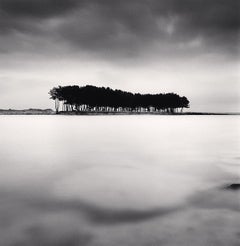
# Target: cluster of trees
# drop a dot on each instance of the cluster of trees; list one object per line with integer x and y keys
{"x": 101, "y": 99}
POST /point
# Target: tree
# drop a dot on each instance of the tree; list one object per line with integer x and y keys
{"x": 92, "y": 98}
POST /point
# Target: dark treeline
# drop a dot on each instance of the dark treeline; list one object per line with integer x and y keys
{"x": 101, "y": 99}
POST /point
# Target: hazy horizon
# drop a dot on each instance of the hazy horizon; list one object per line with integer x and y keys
{"x": 146, "y": 46}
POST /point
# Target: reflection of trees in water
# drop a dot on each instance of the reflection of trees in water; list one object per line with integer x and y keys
{"x": 101, "y": 99}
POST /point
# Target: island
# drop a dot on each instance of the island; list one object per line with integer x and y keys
{"x": 92, "y": 99}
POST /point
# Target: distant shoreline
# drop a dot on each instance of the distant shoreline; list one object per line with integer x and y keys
{"x": 51, "y": 112}
{"x": 27, "y": 112}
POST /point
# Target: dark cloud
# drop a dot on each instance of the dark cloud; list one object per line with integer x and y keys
{"x": 24, "y": 15}
{"x": 36, "y": 8}
{"x": 127, "y": 27}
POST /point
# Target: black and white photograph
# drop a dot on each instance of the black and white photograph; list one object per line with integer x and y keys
{"x": 119, "y": 123}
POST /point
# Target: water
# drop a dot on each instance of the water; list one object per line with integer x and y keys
{"x": 119, "y": 180}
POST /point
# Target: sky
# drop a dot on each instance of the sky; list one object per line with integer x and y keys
{"x": 189, "y": 47}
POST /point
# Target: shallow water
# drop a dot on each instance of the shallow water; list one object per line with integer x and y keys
{"x": 119, "y": 180}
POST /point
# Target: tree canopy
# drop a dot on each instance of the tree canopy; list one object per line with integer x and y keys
{"x": 92, "y": 98}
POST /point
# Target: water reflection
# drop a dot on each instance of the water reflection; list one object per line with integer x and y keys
{"x": 72, "y": 181}
{"x": 47, "y": 220}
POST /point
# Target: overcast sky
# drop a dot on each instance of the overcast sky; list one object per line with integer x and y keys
{"x": 189, "y": 47}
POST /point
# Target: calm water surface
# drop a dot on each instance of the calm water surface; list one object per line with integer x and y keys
{"x": 119, "y": 180}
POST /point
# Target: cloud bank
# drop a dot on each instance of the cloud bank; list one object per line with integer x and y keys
{"x": 187, "y": 42}
{"x": 123, "y": 27}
